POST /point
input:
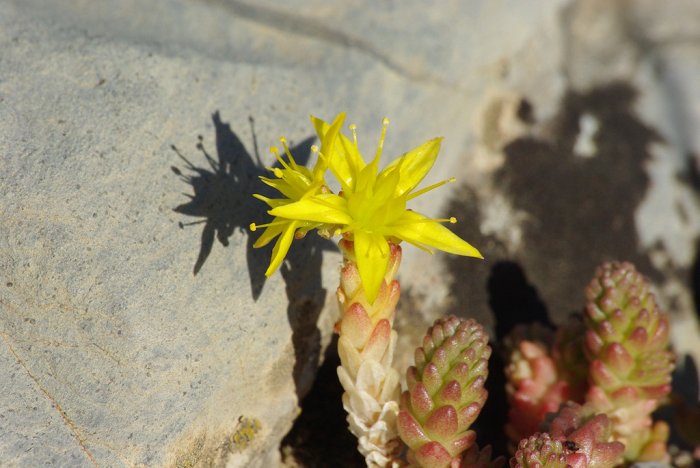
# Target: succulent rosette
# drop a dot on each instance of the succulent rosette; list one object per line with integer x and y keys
{"x": 575, "y": 438}
{"x": 630, "y": 364}
{"x": 533, "y": 384}
{"x": 445, "y": 392}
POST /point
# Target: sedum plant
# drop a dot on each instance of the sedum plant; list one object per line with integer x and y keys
{"x": 371, "y": 217}
{"x": 630, "y": 364}
{"x": 445, "y": 392}
{"x": 614, "y": 362}
{"x": 574, "y": 439}
{"x": 366, "y": 349}
{"x": 533, "y": 383}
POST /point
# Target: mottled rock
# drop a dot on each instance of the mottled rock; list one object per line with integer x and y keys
{"x": 122, "y": 122}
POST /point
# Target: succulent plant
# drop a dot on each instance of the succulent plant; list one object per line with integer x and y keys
{"x": 539, "y": 451}
{"x": 445, "y": 392}
{"x": 473, "y": 457}
{"x": 533, "y": 385}
{"x": 366, "y": 348}
{"x": 576, "y": 439}
{"x": 570, "y": 357}
{"x": 630, "y": 364}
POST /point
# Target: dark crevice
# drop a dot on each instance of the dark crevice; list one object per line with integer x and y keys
{"x": 320, "y": 435}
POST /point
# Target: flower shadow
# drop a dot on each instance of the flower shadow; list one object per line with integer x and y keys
{"x": 222, "y": 198}
{"x": 222, "y": 201}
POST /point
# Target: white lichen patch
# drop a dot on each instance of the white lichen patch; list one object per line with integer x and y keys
{"x": 677, "y": 299}
{"x": 501, "y": 220}
{"x": 585, "y": 146}
{"x": 499, "y": 121}
{"x": 677, "y": 233}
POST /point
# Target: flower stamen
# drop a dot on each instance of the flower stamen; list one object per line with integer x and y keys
{"x": 283, "y": 140}
{"x": 253, "y": 226}
{"x": 274, "y": 150}
{"x": 353, "y": 129}
{"x": 451, "y": 220}
{"x": 429, "y": 188}
{"x": 317, "y": 151}
{"x": 380, "y": 147}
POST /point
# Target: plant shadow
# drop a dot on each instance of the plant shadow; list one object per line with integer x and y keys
{"x": 222, "y": 198}
{"x": 222, "y": 201}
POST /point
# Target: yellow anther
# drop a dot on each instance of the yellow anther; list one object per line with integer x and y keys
{"x": 254, "y": 227}
{"x": 450, "y": 220}
{"x": 283, "y": 140}
{"x": 277, "y": 172}
{"x": 314, "y": 149}
{"x": 353, "y": 129}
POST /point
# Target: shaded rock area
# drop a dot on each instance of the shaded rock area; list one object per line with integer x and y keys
{"x": 579, "y": 212}
{"x": 137, "y": 327}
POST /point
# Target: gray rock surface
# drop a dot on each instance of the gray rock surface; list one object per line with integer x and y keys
{"x": 113, "y": 353}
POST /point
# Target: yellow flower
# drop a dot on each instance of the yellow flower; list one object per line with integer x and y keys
{"x": 296, "y": 183}
{"x": 371, "y": 209}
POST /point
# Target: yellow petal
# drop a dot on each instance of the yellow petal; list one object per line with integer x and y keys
{"x": 414, "y": 165}
{"x": 417, "y": 229}
{"x": 324, "y": 208}
{"x": 386, "y": 188}
{"x": 327, "y": 136}
{"x": 281, "y": 186}
{"x": 367, "y": 177}
{"x": 372, "y": 255}
{"x": 294, "y": 184}
{"x": 322, "y": 127}
{"x": 346, "y": 163}
{"x": 270, "y": 233}
{"x": 273, "y": 202}
{"x": 279, "y": 251}
{"x": 344, "y": 159}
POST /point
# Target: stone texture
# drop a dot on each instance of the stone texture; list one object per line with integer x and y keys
{"x": 549, "y": 214}
{"x": 114, "y": 353}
